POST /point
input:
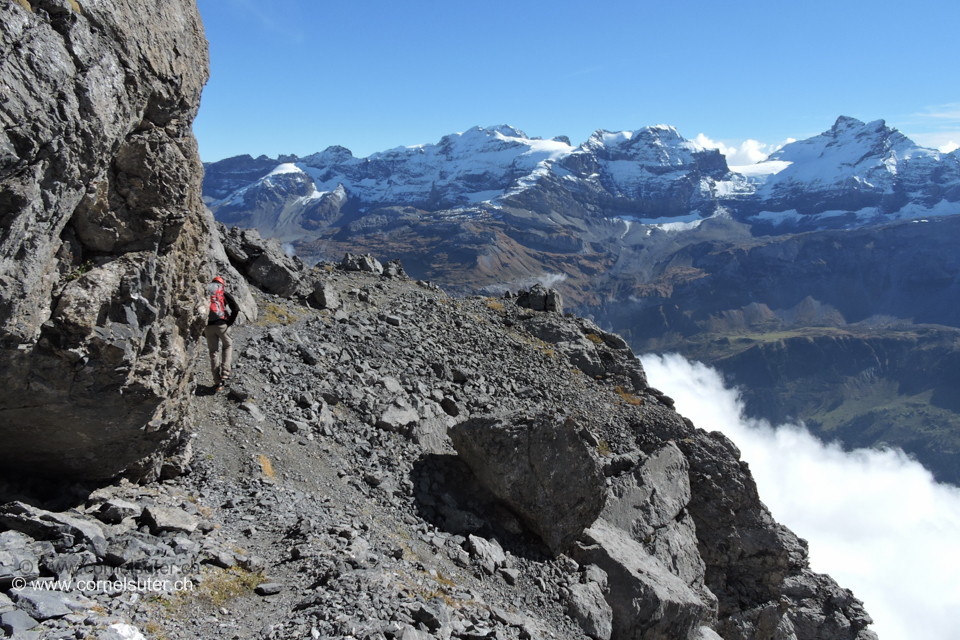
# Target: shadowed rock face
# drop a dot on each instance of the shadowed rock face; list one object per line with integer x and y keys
{"x": 103, "y": 241}
{"x": 528, "y": 464}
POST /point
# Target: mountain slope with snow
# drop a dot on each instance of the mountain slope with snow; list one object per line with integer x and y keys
{"x": 859, "y": 171}
{"x": 852, "y": 174}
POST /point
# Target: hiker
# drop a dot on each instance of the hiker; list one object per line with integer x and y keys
{"x": 223, "y": 313}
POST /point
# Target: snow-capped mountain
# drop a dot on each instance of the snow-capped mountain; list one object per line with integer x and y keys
{"x": 854, "y": 171}
{"x": 650, "y": 171}
{"x": 850, "y": 175}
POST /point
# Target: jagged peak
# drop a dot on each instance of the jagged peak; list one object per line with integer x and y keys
{"x": 334, "y": 154}
{"x": 658, "y": 133}
{"x": 507, "y": 130}
{"x": 846, "y": 122}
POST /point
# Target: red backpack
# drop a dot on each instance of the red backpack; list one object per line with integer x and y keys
{"x": 218, "y": 304}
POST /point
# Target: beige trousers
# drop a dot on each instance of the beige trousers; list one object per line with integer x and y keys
{"x": 218, "y": 334}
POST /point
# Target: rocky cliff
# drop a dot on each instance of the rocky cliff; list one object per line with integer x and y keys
{"x": 103, "y": 237}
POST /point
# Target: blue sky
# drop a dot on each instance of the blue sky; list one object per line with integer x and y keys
{"x": 296, "y": 76}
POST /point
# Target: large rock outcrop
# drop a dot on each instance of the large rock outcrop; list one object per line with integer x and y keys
{"x": 682, "y": 535}
{"x": 103, "y": 241}
{"x": 528, "y": 463}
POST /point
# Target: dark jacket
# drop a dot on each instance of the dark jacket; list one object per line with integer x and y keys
{"x": 232, "y": 307}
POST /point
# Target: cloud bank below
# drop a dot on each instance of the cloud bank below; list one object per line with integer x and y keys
{"x": 876, "y": 521}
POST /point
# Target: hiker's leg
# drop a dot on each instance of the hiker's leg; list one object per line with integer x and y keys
{"x": 213, "y": 345}
{"x": 227, "y": 340}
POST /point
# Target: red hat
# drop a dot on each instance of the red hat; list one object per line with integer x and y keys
{"x": 220, "y": 280}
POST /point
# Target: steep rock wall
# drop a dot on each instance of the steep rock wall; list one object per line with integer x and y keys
{"x": 103, "y": 241}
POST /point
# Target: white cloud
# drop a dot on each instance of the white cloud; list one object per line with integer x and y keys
{"x": 875, "y": 520}
{"x": 550, "y": 280}
{"x": 748, "y": 152}
{"x": 936, "y": 127}
{"x": 945, "y": 141}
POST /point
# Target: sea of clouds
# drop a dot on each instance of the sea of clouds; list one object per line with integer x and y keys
{"x": 876, "y": 521}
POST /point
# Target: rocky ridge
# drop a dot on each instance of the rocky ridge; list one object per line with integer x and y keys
{"x": 346, "y": 486}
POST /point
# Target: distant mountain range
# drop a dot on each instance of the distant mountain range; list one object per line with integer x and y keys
{"x": 853, "y": 174}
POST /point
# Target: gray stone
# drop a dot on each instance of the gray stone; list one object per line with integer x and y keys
{"x": 307, "y": 355}
{"x": 365, "y": 262}
{"x": 295, "y": 426}
{"x": 647, "y": 600}
{"x": 325, "y": 295}
{"x": 47, "y": 525}
{"x": 431, "y": 435}
{"x": 15, "y": 621}
{"x": 6, "y": 604}
{"x": 593, "y": 573}
{"x": 434, "y": 615}
{"x": 254, "y": 411}
{"x": 706, "y": 633}
{"x": 43, "y": 604}
{"x": 115, "y": 510}
{"x": 588, "y": 607}
{"x": 650, "y": 505}
{"x": 508, "y": 618}
{"x": 256, "y": 564}
{"x": 528, "y": 464}
{"x": 120, "y": 631}
{"x": 511, "y": 576}
{"x": 393, "y": 269}
{"x": 119, "y": 554}
{"x": 489, "y": 553}
{"x": 553, "y": 302}
{"x": 225, "y": 559}
{"x": 161, "y": 519}
{"x": 391, "y": 385}
{"x": 269, "y": 588}
{"x": 397, "y": 418}
{"x": 274, "y": 270}
{"x": 238, "y": 392}
{"x": 411, "y": 633}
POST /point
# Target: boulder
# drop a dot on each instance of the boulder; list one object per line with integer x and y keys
{"x": 14, "y": 622}
{"x": 264, "y": 262}
{"x": 325, "y": 295}
{"x": 647, "y": 600}
{"x": 161, "y": 519}
{"x": 489, "y": 553}
{"x": 539, "y": 298}
{"x": 528, "y": 464}
{"x": 121, "y": 631}
{"x": 61, "y": 528}
{"x": 588, "y": 607}
{"x": 43, "y": 604}
{"x": 365, "y": 262}
{"x": 650, "y": 505}
{"x": 393, "y": 269}
{"x": 115, "y": 510}
{"x": 397, "y": 418}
